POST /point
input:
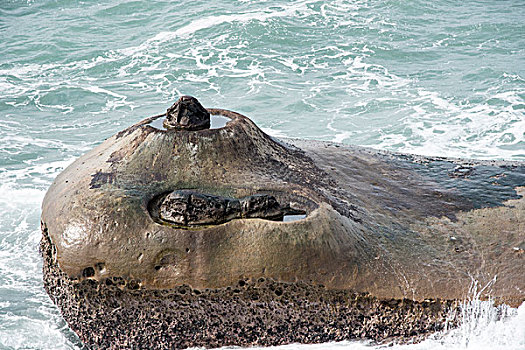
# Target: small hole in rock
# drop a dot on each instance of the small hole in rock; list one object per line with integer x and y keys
{"x": 216, "y": 122}
{"x": 157, "y": 267}
{"x": 278, "y": 292}
{"x": 100, "y": 266}
{"x": 88, "y": 272}
{"x": 187, "y": 250}
{"x": 242, "y": 283}
{"x": 133, "y": 285}
{"x": 290, "y": 218}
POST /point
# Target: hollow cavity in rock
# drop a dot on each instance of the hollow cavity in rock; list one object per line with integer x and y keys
{"x": 216, "y": 122}
{"x": 188, "y": 208}
{"x": 290, "y": 218}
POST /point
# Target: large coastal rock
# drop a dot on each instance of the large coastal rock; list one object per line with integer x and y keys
{"x": 199, "y": 236}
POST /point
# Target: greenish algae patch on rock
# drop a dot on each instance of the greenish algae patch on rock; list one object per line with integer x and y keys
{"x": 177, "y": 235}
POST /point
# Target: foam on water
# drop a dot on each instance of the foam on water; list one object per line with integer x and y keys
{"x": 416, "y": 114}
{"x": 28, "y": 318}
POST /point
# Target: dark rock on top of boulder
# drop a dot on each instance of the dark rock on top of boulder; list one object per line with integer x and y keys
{"x": 187, "y": 113}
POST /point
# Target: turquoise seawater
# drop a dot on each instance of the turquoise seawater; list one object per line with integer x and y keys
{"x": 442, "y": 78}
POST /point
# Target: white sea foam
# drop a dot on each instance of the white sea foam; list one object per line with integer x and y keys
{"x": 484, "y": 327}
{"x": 467, "y": 131}
{"x": 27, "y": 318}
{"x": 25, "y": 332}
{"x": 211, "y": 21}
{"x": 37, "y": 173}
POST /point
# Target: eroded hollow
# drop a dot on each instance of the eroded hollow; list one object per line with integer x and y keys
{"x": 217, "y": 121}
{"x": 292, "y": 217}
{"x": 191, "y": 208}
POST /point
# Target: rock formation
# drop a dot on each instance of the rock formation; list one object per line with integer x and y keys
{"x": 187, "y": 113}
{"x": 172, "y": 238}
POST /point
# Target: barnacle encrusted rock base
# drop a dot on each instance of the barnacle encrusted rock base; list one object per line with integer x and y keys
{"x": 117, "y": 314}
{"x": 180, "y": 231}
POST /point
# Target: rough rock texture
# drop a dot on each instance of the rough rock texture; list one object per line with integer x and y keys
{"x": 187, "y": 113}
{"x": 115, "y": 313}
{"x": 392, "y": 226}
{"x": 191, "y": 208}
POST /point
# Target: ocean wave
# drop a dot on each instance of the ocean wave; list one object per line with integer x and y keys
{"x": 480, "y": 130}
{"x": 215, "y": 20}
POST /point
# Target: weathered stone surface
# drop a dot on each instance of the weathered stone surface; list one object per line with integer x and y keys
{"x": 115, "y": 313}
{"x": 187, "y": 113}
{"x": 261, "y": 206}
{"x": 393, "y": 226}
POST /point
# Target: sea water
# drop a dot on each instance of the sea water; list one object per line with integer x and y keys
{"x": 442, "y": 78}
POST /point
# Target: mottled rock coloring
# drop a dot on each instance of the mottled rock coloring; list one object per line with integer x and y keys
{"x": 116, "y": 313}
{"x": 174, "y": 238}
{"x": 191, "y": 208}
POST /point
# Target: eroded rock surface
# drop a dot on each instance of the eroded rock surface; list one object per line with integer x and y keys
{"x": 191, "y": 208}
{"x": 199, "y": 210}
{"x": 115, "y": 313}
